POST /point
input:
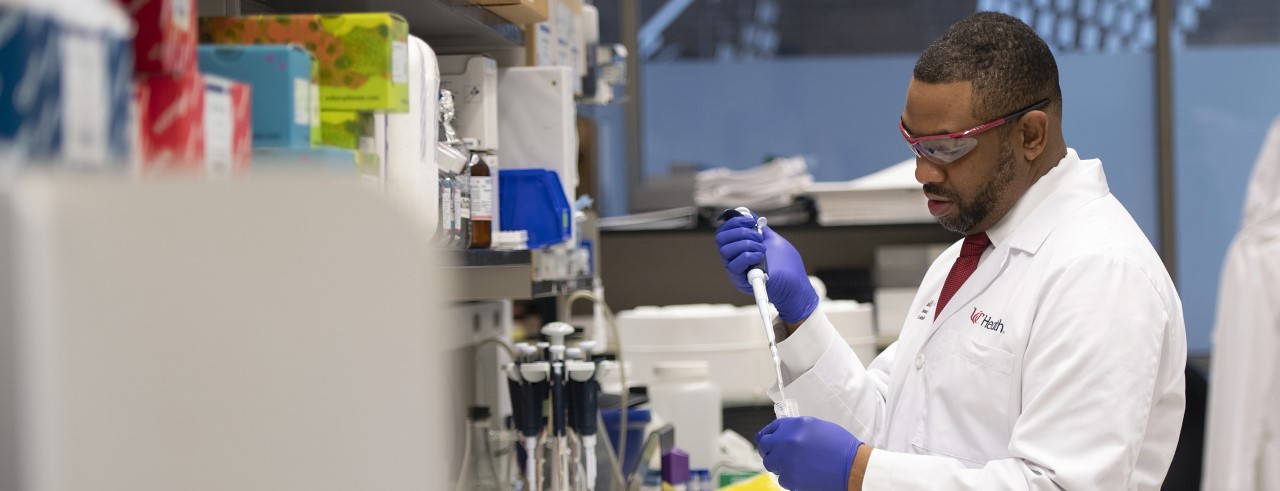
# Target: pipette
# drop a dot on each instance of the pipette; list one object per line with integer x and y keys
{"x": 583, "y": 390}
{"x": 756, "y": 276}
{"x": 557, "y": 331}
{"x": 531, "y": 376}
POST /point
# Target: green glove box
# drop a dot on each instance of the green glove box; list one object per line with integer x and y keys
{"x": 362, "y": 57}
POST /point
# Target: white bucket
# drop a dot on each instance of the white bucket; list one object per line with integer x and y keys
{"x": 730, "y": 339}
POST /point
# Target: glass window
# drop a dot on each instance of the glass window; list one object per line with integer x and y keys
{"x": 732, "y": 82}
{"x": 1225, "y": 72}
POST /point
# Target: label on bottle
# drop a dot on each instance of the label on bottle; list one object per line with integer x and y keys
{"x": 446, "y": 208}
{"x": 481, "y": 198}
{"x": 459, "y": 213}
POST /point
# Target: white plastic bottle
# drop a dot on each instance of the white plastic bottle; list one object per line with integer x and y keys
{"x": 683, "y": 394}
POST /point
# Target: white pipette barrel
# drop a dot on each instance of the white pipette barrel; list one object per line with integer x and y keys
{"x": 757, "y": 276}
{"x": 785, "y": 407}
{"x": 589, "y": 449}
{"x": 757, "y": 279}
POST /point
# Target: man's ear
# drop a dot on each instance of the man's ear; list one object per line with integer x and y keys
{"x": 1034, "y": 130}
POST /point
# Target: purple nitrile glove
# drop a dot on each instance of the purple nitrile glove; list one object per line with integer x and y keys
{"x": 808, "y": 454}
{"x": 741, "y": 247}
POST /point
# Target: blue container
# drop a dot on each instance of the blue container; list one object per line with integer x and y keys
{"x": 637, "y": 419}
{"x": 533, "y": 200}
{"x": 281, "y": 79}
{"x": 41, "y": 118}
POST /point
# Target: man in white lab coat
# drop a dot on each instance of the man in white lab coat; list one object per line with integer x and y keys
{"x": 1045, "y": 350}
{"x": 1242, "y": 433}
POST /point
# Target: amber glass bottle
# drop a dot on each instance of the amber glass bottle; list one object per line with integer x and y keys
{"x": 482, "y": 203}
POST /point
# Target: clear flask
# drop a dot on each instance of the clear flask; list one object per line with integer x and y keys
{"x": 478, "y": 471}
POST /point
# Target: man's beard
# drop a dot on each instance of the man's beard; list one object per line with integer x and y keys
{"x": 972, "y": 213}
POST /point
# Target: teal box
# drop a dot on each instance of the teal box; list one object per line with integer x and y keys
{"x": 281, "y": 79}
{"x": 334, "y": 160}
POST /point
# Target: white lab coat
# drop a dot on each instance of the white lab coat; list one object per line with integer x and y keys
{"x": 1242, "y": 434}
{"x": 1058, "y": 365}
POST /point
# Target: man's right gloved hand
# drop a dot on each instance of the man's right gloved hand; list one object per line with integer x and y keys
{"x": 741, "y": 247}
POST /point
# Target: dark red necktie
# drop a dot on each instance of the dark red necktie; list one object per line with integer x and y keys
{"x": 970, "y": 251}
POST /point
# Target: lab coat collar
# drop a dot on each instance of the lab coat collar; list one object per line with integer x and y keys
{"x": 1059, "y": 193}
{"x": 1067, "y": 186}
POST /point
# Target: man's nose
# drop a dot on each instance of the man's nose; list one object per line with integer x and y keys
{"x": 928, "y": 172}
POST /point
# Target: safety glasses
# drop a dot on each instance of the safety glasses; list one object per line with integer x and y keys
{"x": 948, "y": 148}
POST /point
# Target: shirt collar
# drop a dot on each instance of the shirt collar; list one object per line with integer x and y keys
{"x": 1068, "y": 170}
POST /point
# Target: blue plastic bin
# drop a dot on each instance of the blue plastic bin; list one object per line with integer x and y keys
{"x": 637, "y": 419}
{"x": 533, "y": 200}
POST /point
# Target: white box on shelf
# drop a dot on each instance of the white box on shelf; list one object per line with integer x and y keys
{"x": 539, "y": 122}
{"x": 473, "y": 80}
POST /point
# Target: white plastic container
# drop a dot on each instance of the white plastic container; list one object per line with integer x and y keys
{"x": 892, "y": 305}
{"x": 853, "y": 321}
{"x": 728, "y": 338}
{"x": 683, "y": 394}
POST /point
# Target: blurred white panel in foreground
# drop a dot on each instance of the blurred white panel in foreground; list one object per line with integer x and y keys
{"x": 269, "y": 335}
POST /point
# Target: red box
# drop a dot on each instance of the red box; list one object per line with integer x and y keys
{"x": 166, "y": 38}
{"x": 242, "y": 132}
{"x": 171, "y": 123}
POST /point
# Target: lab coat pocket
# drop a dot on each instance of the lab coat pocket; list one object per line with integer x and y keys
{"x": 967, "y": 402}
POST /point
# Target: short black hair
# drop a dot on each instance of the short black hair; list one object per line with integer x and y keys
{"x": 1009, "y": 66}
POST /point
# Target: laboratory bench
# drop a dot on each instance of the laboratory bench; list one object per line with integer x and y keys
{"x": 682, "y": 266}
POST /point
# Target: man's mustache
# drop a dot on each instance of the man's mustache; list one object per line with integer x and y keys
{"x": 937, "y": 190}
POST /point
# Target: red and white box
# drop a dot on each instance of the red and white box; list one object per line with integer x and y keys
{"x": 228, "y": 131}
{"x": 171, "y": 123}
{"x": 167, "y": 35}
{"x": 242, "y": 132}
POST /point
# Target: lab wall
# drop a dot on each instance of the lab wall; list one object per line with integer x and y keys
{"x": 1224, "y": 100}
{"x": 842, "y": 114}
{"x": 611, "y": 148}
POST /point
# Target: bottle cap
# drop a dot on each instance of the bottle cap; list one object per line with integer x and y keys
{"x": 675, "y": 467}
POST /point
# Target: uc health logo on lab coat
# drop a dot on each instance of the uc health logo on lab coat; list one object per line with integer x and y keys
{"x": 979, "y": 317}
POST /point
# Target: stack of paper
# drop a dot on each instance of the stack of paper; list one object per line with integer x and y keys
{"x": 797, "y": 213}
{"x": 684, "y": 217}
{"x": 774, "y": 184}
{"x": 888, "y": 196}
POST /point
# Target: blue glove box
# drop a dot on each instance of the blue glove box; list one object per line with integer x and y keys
{"x": 281, "y": 79}
{"x": 41, "y": 119}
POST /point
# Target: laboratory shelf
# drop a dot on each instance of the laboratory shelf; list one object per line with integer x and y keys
{"x": 554, "y": 288}
{"x": 449, "y": 26}
{"x": 474, "y": 258}
{"x": 484, "y": 274}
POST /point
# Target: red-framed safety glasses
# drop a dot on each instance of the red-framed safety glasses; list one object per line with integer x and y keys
{"x": 945, "y": 149}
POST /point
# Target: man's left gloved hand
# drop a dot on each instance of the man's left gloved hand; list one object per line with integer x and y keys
{"x": 808, "y": 454}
